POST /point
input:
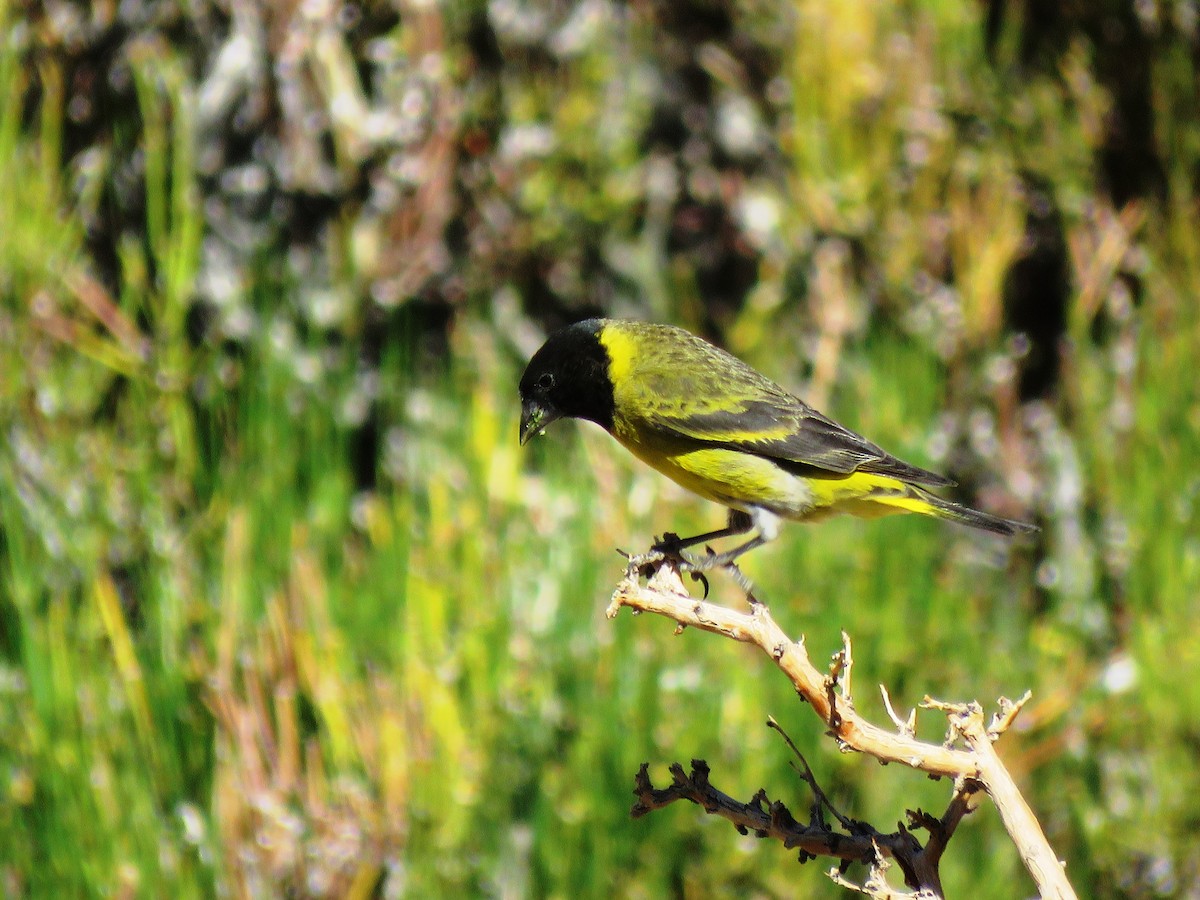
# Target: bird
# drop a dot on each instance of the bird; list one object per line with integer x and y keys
{"x": 725, "y": 432}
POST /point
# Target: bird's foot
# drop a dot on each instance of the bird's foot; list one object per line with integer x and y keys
{"x": 669, "y": 549}
{"x": 669, "y": 546}
{"x": 666, "y": 550}
{"x": 702, "y": 579}
{"x": 713, "y": 560}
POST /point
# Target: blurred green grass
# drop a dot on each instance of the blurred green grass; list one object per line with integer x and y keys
{"x": 228, "y": 668}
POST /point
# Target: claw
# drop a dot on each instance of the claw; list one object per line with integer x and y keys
{"x": 700, "y": 577}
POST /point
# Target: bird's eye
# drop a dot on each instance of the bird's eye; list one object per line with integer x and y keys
{"x": 545, "y": 381}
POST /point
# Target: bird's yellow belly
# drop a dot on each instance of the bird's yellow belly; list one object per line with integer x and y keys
{"x": 743, "y": 481}
{"x": 730, "y": 477}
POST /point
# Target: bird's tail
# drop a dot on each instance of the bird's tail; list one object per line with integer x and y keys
{"x": 915, "y": 499}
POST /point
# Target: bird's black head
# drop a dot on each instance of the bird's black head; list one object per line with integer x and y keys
{"x": 567, "y": 377}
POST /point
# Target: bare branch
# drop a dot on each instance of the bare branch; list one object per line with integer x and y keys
{"x": 941, "y": 830}
{"x": 1009, "y": 710}
{"x": 859, "y": 843}
{"x": 758, "y": 815}
{"x": 1019, "y": 820}
{"x": 666, "y": 596}
{"x": 876, "y": 886}
{"x": 975, "y": 769}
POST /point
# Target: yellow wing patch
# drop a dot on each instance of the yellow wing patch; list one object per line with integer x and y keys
{"x": 621, "y": 351}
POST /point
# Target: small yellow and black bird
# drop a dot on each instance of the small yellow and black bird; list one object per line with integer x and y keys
{"x": 720, "y": 429}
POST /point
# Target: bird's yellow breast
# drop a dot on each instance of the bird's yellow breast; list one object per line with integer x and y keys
{"x": 730, "y": 477}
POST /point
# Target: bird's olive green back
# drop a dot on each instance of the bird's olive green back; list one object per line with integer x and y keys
{"x": 670, "y": 383}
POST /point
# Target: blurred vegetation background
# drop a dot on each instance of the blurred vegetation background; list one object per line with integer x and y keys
{"x": 284, "y": 610}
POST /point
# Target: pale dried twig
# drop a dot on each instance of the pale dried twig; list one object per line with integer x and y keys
{"x": 841, "y": 667}
{"x": 876, "y": 885}
{"x": 666, "y": 596}
{"x": 974, "y": 769}
{"x": 904, "y": 726}
{"x": 1009, "y": 710}
{"x": 966, "y": 720}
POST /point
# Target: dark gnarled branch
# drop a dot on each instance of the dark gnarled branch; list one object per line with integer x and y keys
{"x": 861, "y": 842}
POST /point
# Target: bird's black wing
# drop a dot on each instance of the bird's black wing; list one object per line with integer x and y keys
{"x": 793, "y": 432}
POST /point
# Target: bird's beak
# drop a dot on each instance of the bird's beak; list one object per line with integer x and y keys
{"x": 534, "y": 418}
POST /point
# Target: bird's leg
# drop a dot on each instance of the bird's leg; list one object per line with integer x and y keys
{"x": 712, "y": 561}
{"x": 741, "y": 580}
{"x": 697, "y": 566}
{"x": 766, "y": 525}
{"x": 672, "y": 546}
{"x": 671, "y": 543}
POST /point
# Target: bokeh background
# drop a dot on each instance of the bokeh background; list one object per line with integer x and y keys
{"x": 284, "y": 609}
